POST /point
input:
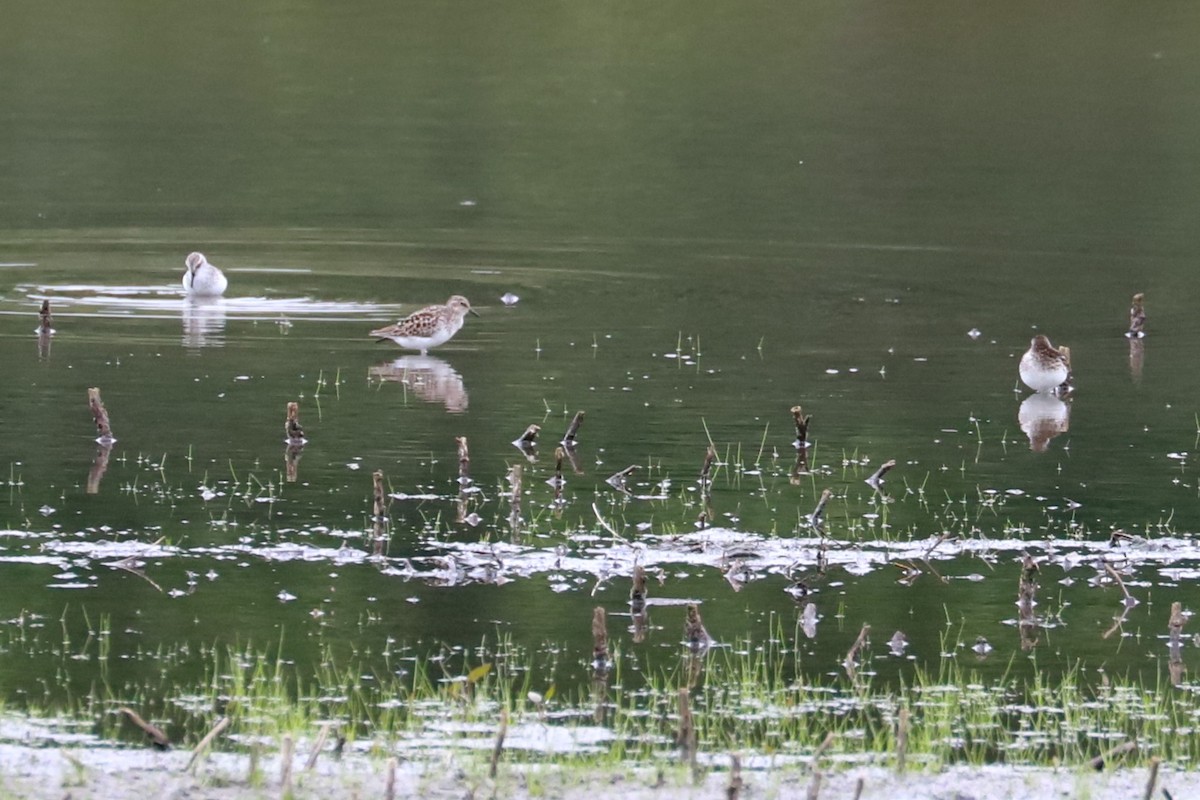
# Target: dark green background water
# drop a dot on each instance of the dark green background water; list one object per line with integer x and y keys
{"x": 798, "y": 188}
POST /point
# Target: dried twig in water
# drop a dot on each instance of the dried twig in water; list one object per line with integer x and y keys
{"x": 45, "y": 319}
{"x": 1153, "y": 778}
{"x": 100, "y": 415}
{"x": 604, "y": 524}
{"x": 498, "y": 748}
{"x": 1099, "y": 762}
{"x": 529, "y": 437}
{"x": 710, "y": 457}
{"x": 694, "y": 633}
{"x": 801, "y": 421}
{"x": 380, "y": 505}
{"x": 856, "y": 647}
{"x": 817, "y": 518}
{"x": 389, "y": 791}
{"x": 1137, "y": 316}
{"x": 599, "y": 639}
{"x": 858, "y": 788}
{"x": 573, "y": 429}
{"x": 734, "y": 790}
{"x": 902, "y": 739}
{"x": 637, "y": 592}
{"x": 291, "y": 426}
{"x": 876, "y": 480}
{"x": 132, "y": 566}
{"x": 464, "y": 460}
{"x": 285, "y": 764}
{"x": 317, "y": 745}
{"x": 1112, "y": 573}
{"x": 617, "y": 479}
{"x": 200, "y": 748}
{"x": 157, "y": 738}
{"x": 686, "y": 735}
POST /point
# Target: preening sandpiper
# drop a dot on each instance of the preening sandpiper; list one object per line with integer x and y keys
{"x": 202, "y": 278}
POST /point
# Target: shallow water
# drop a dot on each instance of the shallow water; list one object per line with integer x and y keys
{"x": 708, "y": 219}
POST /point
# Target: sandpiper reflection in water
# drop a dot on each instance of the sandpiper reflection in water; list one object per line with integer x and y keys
{"x": 428, "y": 377}
{"x": 1043, "y": 416}
{"x": 203, "y": 322}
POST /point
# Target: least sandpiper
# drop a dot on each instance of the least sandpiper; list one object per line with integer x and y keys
{"x": 1043, "y": 367}
{"x": 428, "y": 327}
{"x": 202, "y": 278}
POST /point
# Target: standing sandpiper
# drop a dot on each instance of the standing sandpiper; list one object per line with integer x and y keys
{"x": 1043, "y": 367}
{"x": 202, "y": 278}
{"x": 428, "y": 327}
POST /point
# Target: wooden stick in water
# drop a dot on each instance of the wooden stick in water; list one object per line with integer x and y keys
{"x": 291, "y": 426}
{"x": 464, "y": 460}
{"x": 44, "y": 328}
{"x": 381, "y": 499}
{"x": 157, "y": 738}
{"x": 599, "y": 639}
{"x": 285, "y": 765}
{"x": 573, "y": 429}
{"x": 100, "y": 415}
{"x": 801, "y": 421}
{"x": 200, "y": 748}
{"x": 529, "y": 437}
{"x": 498, "y": 748}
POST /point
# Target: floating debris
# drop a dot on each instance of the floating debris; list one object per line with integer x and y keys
{"x": 974, "y": 333}
{"x": 897, "y": 644}
{"x": 982, "y": 647}
{"x": 509, "y": 299}
{"x": 618, "y": 479}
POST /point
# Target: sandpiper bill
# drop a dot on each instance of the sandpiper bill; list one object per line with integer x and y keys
{"x": 202, "y": 278}
{"x": 1044, "y": 367}
{"x": 428, "y": 327}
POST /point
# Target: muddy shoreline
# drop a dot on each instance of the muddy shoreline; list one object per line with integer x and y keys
{"x": 83, "y": 773}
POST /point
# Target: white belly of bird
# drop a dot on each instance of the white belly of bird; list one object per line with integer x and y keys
{"x": 208, "y": 281}
{"x": 1041, "y": 378}
{"x": 439, "y": 337}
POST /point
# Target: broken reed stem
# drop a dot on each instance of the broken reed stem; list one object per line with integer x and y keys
{"x": 814, "y": 788}
{"x": 100, "y": 415}
{"x": 884, "y": 468}
{"x": 499, "y": 747}
{"x": 514, "y": 497}
{"x": 599, "y": 638}
{"x": 291, "y": 426}
{"x": 559, "y": 455}
{"x": 858, "y": 643}
{"x": 686, "y": 736}
{"x": 734, "y": 790}
{"x": 1108, "y": 568}
{"x": 390, "y": 789}
{"x": 710, "y": 456}
{"x": 1098, "y": 763}
{"x": 316, "y": 748}
{"x": 529, "y": 437}
{"x": 858, "y": 788}
{"x": 285, "y": 767}
{"x": 381, "y": 499}
{"x": 157, "y": 738}
{"x": 817, "y": 518}
{"x": 1153, "y": 779}
{"x": 573, "y": 429}
{"x": 44, "y": 314}
{"x": 200, "y": 748}
{"x": 801, "y": 421}
{"x": 464, "y": 460}
{"x": 902, "y": 739}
